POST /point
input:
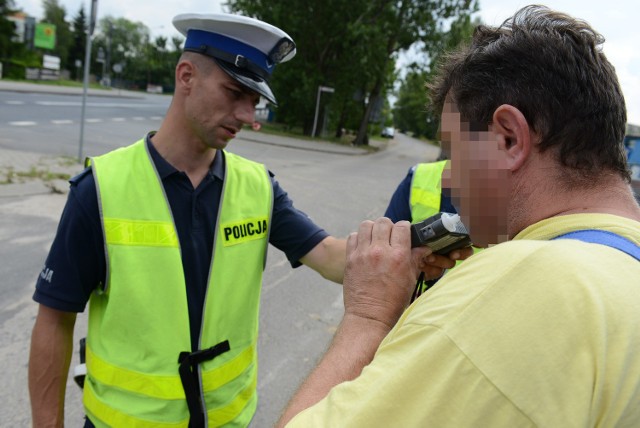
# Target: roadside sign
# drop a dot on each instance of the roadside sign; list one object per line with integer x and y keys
{"x": 100, "y": 56}
{"x": 45, "y": 36}
{"x": 51, "y": 62}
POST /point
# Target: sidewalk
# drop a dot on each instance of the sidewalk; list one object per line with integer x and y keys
{"x": 28, "y": 173}
{"x": 311, "y": 145}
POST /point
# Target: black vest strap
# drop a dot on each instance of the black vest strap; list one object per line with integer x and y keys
{"x": 190, "y": 381}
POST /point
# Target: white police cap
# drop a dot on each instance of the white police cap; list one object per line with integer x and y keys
{"x": 246, "y": 48}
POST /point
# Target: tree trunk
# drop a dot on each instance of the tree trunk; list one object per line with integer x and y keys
{"x": 362, "y": 137}
{"x": 342, "y": 120}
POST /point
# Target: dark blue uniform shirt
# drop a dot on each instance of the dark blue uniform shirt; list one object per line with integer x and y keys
{"x": 400, "y": 204}
{"x": 76, "y": 262}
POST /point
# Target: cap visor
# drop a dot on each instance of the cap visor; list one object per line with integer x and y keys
{"x": 254, "y": 83}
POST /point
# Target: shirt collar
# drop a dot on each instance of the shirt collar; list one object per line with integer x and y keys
{"x": 165, "y": 169}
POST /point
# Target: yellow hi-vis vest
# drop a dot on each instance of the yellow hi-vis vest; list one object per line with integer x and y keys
{"x": 139, "y": 322}
{"x": 426, "y": 190}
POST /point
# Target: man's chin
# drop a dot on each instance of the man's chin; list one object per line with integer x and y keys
{"x": 219, "y": 143}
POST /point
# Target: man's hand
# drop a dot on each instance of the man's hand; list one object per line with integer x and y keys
{"x": 379, "y": 279}
{"x": 381, "y": 271}
{"x": 434, "y": 265}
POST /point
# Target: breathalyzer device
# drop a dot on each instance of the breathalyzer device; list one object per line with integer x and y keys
{"x": 443, "y": 233}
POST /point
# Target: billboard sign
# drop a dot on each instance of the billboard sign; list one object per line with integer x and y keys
{"x": 45, "y": 36}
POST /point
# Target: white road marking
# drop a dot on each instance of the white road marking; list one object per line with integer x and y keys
{"x": 92, "y": 104}
{"x": 22, "y": 123}
{"x": 69, "y": 121}
{"x": 15, "y": 103}
{"x": 156, "y": 117}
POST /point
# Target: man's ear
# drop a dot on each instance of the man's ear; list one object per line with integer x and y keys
{"x": 513, "y": 133}
{"x": 185, "y": 73}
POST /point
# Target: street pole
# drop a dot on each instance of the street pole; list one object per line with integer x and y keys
{"x": 315, "y": 118}
{"x": 87, "y": 66}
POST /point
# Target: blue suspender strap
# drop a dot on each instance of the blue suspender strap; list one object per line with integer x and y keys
{"x": 603, "y": 237}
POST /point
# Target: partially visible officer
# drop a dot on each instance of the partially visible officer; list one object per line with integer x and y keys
{"x": 166, "y": 239}
{"x": 420, "y": 195}
{"x": 541, "y": 328}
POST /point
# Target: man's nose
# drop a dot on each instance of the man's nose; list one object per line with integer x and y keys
{"x": 246, "y": 112}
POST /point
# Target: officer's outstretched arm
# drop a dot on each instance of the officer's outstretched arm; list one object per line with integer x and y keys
{"x": 49, "y": 359}
{"x": 328, "y": 258}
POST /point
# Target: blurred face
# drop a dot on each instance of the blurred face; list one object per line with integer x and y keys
{"x": 218, "y": 107}
{"x": 477, "y": 175}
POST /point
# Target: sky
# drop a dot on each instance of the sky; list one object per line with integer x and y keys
{"x": 617, "y": 20}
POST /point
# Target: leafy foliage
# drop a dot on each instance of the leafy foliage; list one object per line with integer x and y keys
{"x": 144, "y": 61}
{"x": 14, "y": 55}
{"x": 350, "y": 46}
{"x": 55, "y": 13}
{"x": 122, "y": 41}
{"x": 7, "y": 29}
{"x": 411, "y": 111}
{"x": 78, "y": 44}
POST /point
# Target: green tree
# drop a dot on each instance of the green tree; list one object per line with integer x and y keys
{"x": 124, "y": 42}
{"x": 320, "y": 29}
{"x": 7, "y": 29}
{"x": 411, "y": 111}
{"x": 144, "y": 61}
{"x": 403, "y": 24}
{"x": 160, "y": 62}
{"x": 14, "y": 55}
{"x": 79, "y": 43}
{"x": 55, "y": 13}
{"x": 350, "y": 46}
{"x": 176, "y": 43}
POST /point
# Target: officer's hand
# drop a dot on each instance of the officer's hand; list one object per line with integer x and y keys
{"x": 381, "y": 273}
{"x": 434, "y": 265}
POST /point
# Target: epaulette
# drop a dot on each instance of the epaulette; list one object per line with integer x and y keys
{"x": 78, "y": 178}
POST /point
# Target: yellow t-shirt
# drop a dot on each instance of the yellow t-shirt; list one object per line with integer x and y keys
{"x": 527, "y": 333}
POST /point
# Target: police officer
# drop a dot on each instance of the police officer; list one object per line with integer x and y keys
{"x": 166, "y": 239}
{"x": 419, "y": 195}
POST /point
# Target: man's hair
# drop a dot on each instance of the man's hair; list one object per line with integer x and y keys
{"x": 204, "y": 63}
{"x": 551, "y": 67}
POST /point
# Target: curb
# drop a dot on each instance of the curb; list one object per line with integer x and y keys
{"x": 28, "y": 87}
{"x": 348, "y": 150}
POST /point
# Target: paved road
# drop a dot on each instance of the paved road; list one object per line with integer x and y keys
{"x": 337, "y": 185}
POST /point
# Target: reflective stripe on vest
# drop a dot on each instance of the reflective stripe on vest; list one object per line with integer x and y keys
{"x": 139, "y": 324}
{"x": 426, "y": 190}
{"x": 145, "y": 233}
{"x": 216, "y": 417}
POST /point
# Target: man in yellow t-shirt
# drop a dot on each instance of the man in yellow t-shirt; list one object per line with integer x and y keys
{"x": 540, "y": 329}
